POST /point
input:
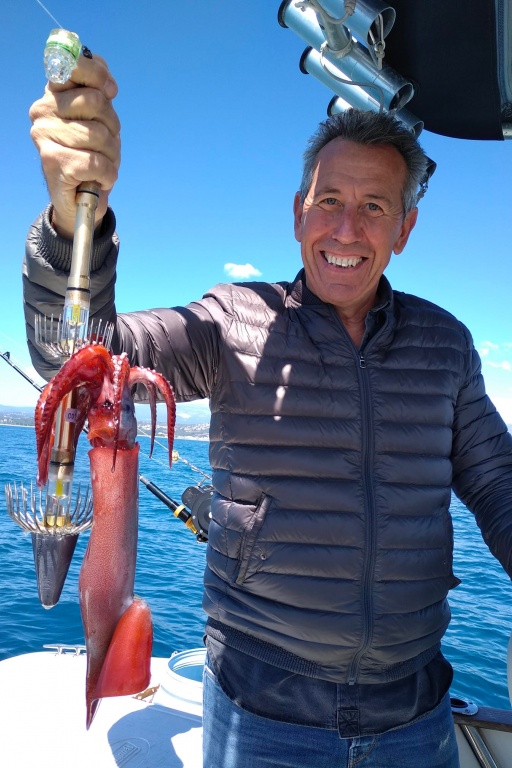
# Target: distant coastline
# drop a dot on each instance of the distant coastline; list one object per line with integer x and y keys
{"x": 177, "y": 433}
{"x": 200, "y": 432}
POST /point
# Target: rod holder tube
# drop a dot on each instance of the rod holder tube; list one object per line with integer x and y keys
{"x": 411, "y": 122}
{"x": 365, "y": 20}
{"x": 352, "y": 95}
{"x": 392, "y": 91}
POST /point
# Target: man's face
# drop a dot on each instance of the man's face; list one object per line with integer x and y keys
{"x": 351, "y": 222}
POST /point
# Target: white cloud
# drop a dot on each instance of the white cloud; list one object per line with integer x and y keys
{"x": 195, "y": 412}
{"x": 504, "y": 407}
{"x": 241, "y": 271}
{"x": 486, "y": 347}
{"x": 504, "y": 365}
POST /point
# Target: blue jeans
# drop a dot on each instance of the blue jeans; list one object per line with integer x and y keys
{"x": 234, "y": 738}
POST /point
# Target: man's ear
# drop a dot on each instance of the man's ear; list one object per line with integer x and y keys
{"x": 298, "y": 209}
{"x": 408, "y": 225}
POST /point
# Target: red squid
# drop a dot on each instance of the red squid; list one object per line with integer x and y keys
{"x": 117, "y": 625}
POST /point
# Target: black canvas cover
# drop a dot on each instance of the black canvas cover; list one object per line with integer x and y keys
{"x": 452, "y": 50}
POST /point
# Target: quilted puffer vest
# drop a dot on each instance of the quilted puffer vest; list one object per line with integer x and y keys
{"x": 331, "y": 539}
{"x": 331, "y": 536}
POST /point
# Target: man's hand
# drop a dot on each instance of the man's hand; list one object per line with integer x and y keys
{"x": 76, "y": 131}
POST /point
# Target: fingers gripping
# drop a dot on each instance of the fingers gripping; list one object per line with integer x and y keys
{"x": 77, "y": 133}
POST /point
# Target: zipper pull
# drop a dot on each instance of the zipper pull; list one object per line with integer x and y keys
{"x": 362, "y": 361}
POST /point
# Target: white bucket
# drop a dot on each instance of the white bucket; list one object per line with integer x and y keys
{"x": 182, "y": 685}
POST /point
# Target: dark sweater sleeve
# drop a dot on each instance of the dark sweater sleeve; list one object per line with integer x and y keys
{"x": 45, "y": 272}
{"x": 482, "y": 462}
{"x": 182, "y": 343}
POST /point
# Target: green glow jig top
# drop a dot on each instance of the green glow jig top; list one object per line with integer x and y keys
{"x": 61, "y": 55}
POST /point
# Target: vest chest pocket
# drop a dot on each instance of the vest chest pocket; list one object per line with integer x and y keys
{"x": 250, "y": 537}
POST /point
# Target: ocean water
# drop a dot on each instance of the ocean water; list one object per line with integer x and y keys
{"x": 170, "y": 566}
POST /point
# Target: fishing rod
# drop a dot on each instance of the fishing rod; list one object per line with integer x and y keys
{"x": 7, "y": 357}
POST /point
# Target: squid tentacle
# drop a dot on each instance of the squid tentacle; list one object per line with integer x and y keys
{"x": 121, "y": 376}
{"x": 154, "y": 380}
{"x": 86, "y": 368}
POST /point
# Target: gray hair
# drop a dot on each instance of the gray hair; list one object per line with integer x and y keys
{"x": 364, "y": 127}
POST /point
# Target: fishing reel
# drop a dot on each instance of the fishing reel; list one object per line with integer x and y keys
{"x": 195, "y": 509}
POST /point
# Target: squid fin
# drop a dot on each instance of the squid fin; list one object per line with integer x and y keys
{"x": 126, "y": 669}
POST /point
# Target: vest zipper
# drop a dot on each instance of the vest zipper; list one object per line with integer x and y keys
{"x": 370, "y": 523}
{"x": 370, "y": 516}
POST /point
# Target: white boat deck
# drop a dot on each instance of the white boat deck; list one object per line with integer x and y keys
{"x": 43, "y": 719}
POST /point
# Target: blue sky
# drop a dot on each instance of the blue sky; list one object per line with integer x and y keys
{"x": 215, "y": 115}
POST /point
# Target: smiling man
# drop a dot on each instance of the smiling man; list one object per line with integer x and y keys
{"x": 343, "y": 415}
{"x": 350, "y": 221}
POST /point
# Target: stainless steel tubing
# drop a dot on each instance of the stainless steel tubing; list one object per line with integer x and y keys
{"x": 392, "y": 90}
{"x": 311, "y": 64}
{"x": 350, "y": 95}
{"x": 364, "y": 21}
{"x": 413, "y": 123}
{"x": 478, "y": 746}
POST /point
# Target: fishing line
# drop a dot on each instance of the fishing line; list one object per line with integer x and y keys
{"x": 194, "y": 468}
{"x": 25, "y": 369}
{"x": 21, "y": 347}
{"x": 49, "y": 14}
{"x": 141, "y": 433}
{"x": 179, "y": 457}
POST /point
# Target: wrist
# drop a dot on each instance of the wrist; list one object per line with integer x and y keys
{"x": 57, "y": 249}
{"x": 63, "y": 226}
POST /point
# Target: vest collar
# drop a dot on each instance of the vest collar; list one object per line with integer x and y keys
{"x": 299, "y": 293}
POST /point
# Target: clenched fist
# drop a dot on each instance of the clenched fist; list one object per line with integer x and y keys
{"x": 77, "y": 133}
